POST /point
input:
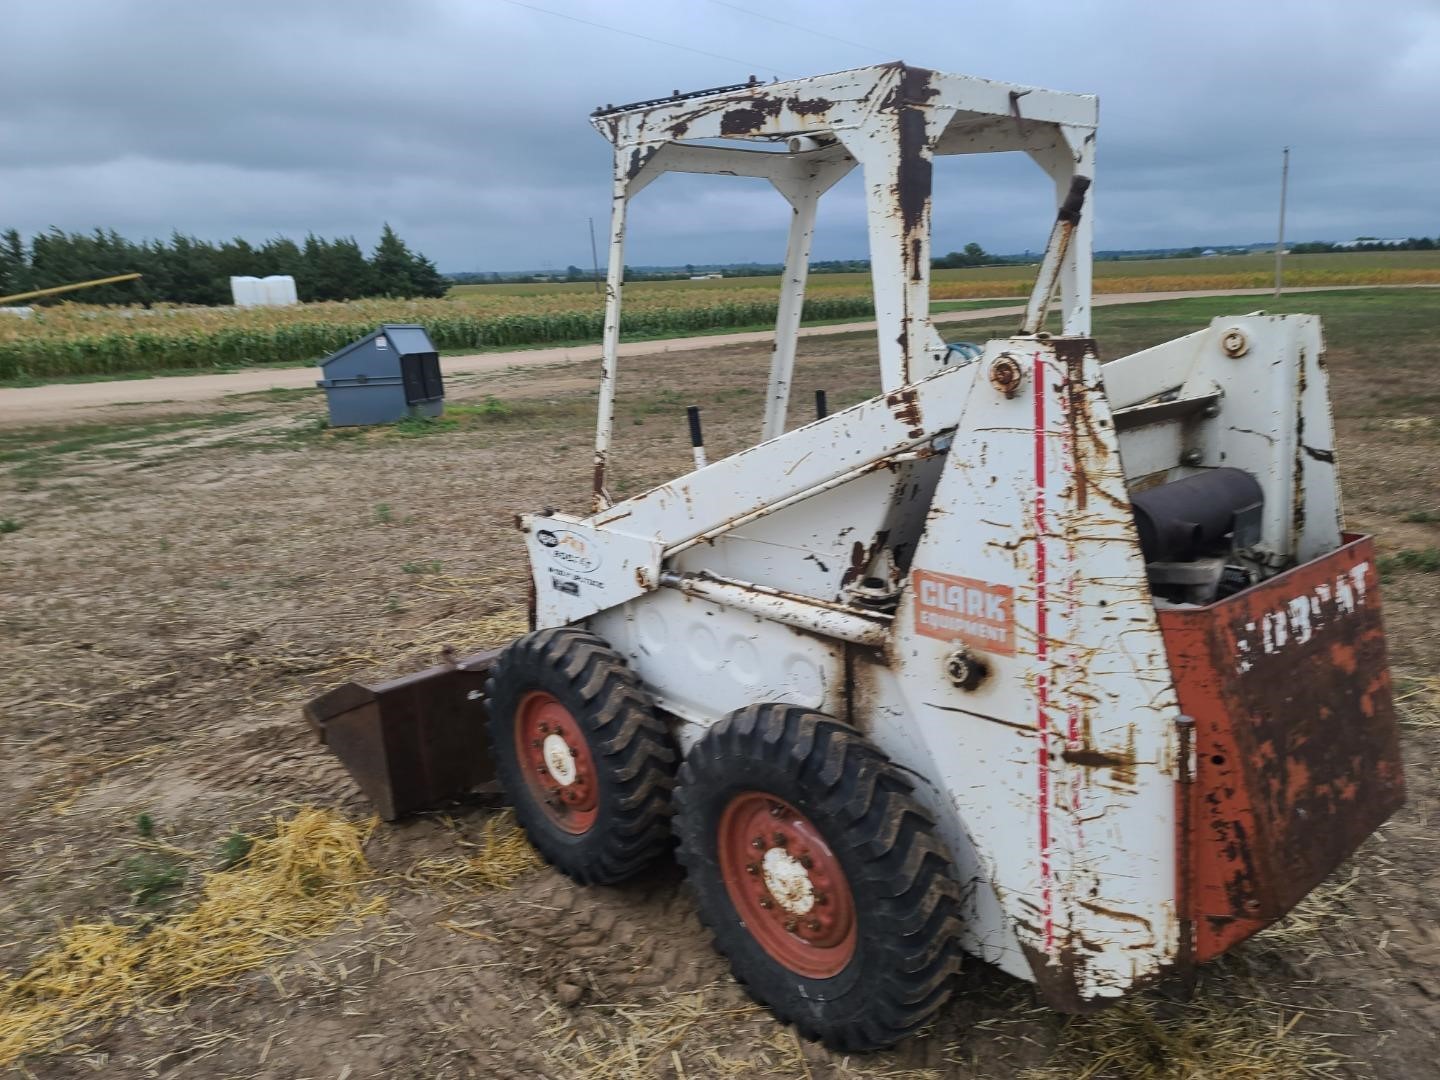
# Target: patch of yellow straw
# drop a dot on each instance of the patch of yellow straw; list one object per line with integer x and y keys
{"x": 1207, "y": 1039}
{"x": 706, "y": 1034}
{"x": 300, "y": 883}
{"x": 1419, "y": 701}
{"x": 504, "y": 855}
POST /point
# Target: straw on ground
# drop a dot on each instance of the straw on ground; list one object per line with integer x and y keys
{"x": 300, "y": 883}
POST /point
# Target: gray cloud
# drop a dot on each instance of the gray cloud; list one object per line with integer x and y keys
{"x": 463, "y": 122}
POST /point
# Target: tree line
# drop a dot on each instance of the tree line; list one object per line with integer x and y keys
{"x": 185, "y": 270}
{"x": 1368, "y": 243}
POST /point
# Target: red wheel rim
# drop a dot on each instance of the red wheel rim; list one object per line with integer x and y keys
{"x": 556, "y": 762}
{"x": 787, "y": 885}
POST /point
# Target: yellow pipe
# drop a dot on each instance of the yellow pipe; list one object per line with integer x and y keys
{"x": 69, "y": 288}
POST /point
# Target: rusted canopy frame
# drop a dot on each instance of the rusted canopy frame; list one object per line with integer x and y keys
{"x": 890, "y": 119}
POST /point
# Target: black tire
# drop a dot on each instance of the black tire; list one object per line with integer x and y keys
{"x": 906, "y": 900}
{"x": 632, "y": 757}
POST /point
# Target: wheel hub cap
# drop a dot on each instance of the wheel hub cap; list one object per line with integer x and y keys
{"x": 556, "y": 762}
{"x": 788, "y": 881}
{"x": 558, "y": 759}
{"x": 786, "y": 885}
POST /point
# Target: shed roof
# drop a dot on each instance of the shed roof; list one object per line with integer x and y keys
{"x": 406, "y": 339}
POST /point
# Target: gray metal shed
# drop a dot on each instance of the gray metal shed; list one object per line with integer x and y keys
{"x": 385, "y": 376}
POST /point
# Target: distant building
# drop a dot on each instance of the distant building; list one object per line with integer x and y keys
{"x": 706, "y": 277}
{"x": 1209, "y": 253}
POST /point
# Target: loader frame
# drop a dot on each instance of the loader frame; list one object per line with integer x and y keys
{"x": 952, "y": 566}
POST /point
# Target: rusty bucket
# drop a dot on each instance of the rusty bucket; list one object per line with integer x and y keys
{"x": 412, "y": 743}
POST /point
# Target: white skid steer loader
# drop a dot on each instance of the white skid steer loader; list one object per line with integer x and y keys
{"x": 1065, "y": 665}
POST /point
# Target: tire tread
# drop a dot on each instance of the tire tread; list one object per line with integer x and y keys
{"x": 903, "y": 864}
{"x": 631, "y": 746}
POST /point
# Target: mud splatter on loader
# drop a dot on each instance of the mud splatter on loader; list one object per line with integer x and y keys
{"x": 1067, "y": 666}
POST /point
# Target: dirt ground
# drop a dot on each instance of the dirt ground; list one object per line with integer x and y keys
{"x": 176, "y": 585}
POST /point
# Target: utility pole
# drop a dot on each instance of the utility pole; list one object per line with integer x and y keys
{"x": 1280, "y": 242}
{"x": 594, "y": 255}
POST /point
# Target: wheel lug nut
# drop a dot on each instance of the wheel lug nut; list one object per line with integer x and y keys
{"x": 821, "y": 898}
{"x": 814, "y": 925}
{"x": 776, "y": 810}
{"x": 806, "y": 861}
{"x": 758, "y": 842}
{"x": 535, "y": 743}
{"x": 752, "y": 868}
{"x": 780, "y": 839}
{"x": 790, "y": 925}
{"x": 766, "y": 902}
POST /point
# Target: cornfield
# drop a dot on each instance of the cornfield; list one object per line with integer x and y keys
{"x": 73, "y": 339}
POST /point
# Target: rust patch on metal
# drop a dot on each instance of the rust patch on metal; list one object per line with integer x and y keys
{"x": 1072, "y": 352}
{"x": 1057, "y": 979}
{"x": 638, "y": 159}
{"x": 1006, "y": 375}
{"x": 1117, "y": 915}
{"x": 905, "y": 404}
{"x": 1121, "y": 763}
{"x": 597, "y": 480}
{"x": 809, "y": 106}
{"x": 861, "y": 557}
{"x": 750, "y": 117}
{"x": 1087, "y": 758}
{"x": 1297, "y": 500}
{"x": 1296, "y": 740}
{"x": 914, "y": 171}
{"x": 864, "y": 668}
{"x": 1085, "y": 442}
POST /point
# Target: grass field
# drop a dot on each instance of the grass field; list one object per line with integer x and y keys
{"x": 197, "y": 890}
{"x": 71, "y": 340}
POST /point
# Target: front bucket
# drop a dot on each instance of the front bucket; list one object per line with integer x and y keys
{"x": 415, "y": 742}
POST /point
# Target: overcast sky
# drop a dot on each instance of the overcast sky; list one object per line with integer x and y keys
{"x": 464, "y": 122}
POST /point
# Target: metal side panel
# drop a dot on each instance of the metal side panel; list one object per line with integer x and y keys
{"x": 843, "y": 444}
{"x": 1266, "y": 409}
{"x": 1061, "y": 765}
{"x": 1297, "y": 745}
{"x": 579, "y": 570}
{"x": 819, "y": 545}
{"x": 701, "y": 661}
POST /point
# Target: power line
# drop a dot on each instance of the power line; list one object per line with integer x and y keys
{"x": 794, "y": 26}
{"x": 642, "y": 37}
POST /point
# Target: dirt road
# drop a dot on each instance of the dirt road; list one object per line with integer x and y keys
{"x": 64, "y": 402}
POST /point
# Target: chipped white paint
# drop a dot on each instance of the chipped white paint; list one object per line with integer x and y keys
{"x": 1296, "y": 621}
